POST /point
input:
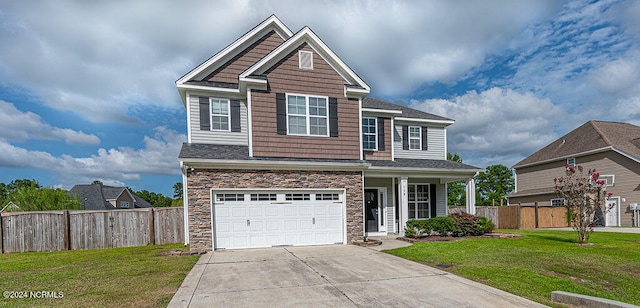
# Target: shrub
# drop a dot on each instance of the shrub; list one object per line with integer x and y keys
{"x": 442, "y": 225}
{"x": 486, "y": 224}
{"x": 417, "y": 228}
{"x": 466, "y": 224}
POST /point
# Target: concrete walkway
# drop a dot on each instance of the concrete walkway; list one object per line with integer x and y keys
{"x": 329, "y": 276}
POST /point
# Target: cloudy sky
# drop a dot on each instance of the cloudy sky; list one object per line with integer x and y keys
{"x": 87, "y": 88}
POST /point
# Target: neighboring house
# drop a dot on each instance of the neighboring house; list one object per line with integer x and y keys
{"x": 101, "y": 197}
{"x": 612, "y": 148}
{"x": 285, "y": 148}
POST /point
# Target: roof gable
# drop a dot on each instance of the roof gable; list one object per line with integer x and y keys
{"x": 354, "y": 86}
{"x": 589, "y": 137}
{"x": 271, "y": 24}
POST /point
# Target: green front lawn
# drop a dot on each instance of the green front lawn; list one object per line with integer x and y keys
{"x": 119, "y": 277}
{"x": 541, "y": 262}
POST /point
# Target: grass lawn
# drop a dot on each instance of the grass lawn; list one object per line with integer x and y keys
{"x": 118, "y": 277}
{"x": 541, "y": 262}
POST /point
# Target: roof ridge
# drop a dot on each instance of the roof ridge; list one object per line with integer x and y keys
{"x": 599, "y": 131}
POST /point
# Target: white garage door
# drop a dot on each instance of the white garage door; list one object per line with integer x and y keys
{"x": 252, "y": 219}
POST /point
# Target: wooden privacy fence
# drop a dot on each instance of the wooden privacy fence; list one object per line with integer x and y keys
{"x": 521, "y": 217}
{"x": 77, "y": 230}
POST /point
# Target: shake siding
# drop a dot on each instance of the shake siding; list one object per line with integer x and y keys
{"x": 213, "y": 136}
{"x": 286, "y": 77}
{"x": 435, "y": 140}
{"x": 388, "y": 183}
{"x": 238, "y": 64}
{"x": 626, "y": 171}
{"x": 386, "y": 154}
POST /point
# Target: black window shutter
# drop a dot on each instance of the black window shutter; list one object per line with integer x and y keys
{"x": 432, "y": 200}
{"x": 380, "y": 134}
{"x": 235, "y": 115}
{"x": 333, "y": 117}
{"x": 205, "y": 116}
{"x": 425, "y": 146}
{"x": 281, "y": 113}
{"x": 405, "y": 137}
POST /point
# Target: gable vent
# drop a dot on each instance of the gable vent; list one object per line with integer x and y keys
{"x": 306, "y": 60}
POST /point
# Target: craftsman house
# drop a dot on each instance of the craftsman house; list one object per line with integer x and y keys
{"x": 286, "y": 148}
{"x": 612, "y": 148}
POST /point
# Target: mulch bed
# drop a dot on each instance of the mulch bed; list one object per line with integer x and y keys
{"x": 437, "y": 238}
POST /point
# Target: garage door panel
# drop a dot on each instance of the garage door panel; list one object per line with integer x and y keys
{"x": 250, "y": 224}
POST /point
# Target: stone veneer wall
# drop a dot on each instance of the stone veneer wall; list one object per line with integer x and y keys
{"x": 201, "y": 181}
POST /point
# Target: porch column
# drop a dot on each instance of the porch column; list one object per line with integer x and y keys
{"x": 404, "y": 204}
{"x": 471, "y": 196}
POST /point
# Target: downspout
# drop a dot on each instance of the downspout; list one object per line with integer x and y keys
{"x": 185, "y": 203}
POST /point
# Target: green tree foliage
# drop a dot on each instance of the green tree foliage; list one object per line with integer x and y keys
{"x": 28, "y": 195}
{"x": 494, "y": 184}
{"x": 456, "y": 191}
{"x": 156, "y": 199}
{"x": 97, "y": 182}
{"x": 177, "y": 190}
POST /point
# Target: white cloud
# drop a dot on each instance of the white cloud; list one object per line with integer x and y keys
{"x": 158, "y": 156}
{"x": 17, "y": 125}
{"x": 127, "y": 53}
{"x": 499, "y": 124}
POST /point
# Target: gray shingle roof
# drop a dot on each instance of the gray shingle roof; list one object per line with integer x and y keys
{"x": 236, "y": 152}
{"x": 423, "y": 164}
{"x": 95, "y": 196}
{"x": 590, "y": 136}
{"x": 407, "y": 112}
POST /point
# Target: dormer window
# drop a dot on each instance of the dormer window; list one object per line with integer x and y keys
{"x": 306, "y": 59}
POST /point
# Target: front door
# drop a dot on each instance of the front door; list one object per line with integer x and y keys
{"x": 613, "y": 206}
{"x": 371, "y": 209}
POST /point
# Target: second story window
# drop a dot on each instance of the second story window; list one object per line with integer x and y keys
{"x": 219, "y": 114}
{"x": 571, "y": 162}
{"x": 415, "y": 138}
{"x": 307, "y": 115}
{"x": 369, "y": 134}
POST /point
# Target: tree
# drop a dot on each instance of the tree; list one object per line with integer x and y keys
{"x": 156, "y": 199}
{"x": 583, "y": 195}
{"x": 177, "y": 190}
{"x": 30, "y": 198}
{"x": 96, "y": 182}
{"x": 494, "y": 184}
{"x": 456, "y": 190}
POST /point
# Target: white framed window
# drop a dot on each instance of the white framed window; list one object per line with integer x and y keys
{"x": 297, "y": 197}
{"x": 557, "y": 202}
{"x": 306, "y": 59}
{"x": 229, "y": 197}
{"x": 415, "y": 138}
{"x": 418, "y": 201}
{"x": 369, "y": 134}
{"x": 307, "y": 115}
{"x": 220, "y": 119}
{"x": 571, "y": 162}
{"x": 124, "y": 204}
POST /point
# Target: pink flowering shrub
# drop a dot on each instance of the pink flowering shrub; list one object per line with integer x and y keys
{"x": 583, "y": 194}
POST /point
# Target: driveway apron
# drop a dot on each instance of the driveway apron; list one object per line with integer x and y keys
{"x": 329, "y": 276}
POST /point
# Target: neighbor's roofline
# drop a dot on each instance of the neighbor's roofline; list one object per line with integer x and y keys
{"x": 594, "y": 151}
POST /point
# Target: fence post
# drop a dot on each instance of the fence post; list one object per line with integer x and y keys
{"x": 519, "y": 207}
{"x": 1, "y": 235}
{"x": 536, "y": 215}
{"x": 152, "y": 232}
{"x": 67, "y": 232}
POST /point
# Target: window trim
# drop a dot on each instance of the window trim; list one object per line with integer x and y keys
{"x": 413, "y": 138}
{"x": 228, "y": 115}
{"x": 571, "y": 164}
{"x": 415, "y": 203}
{"x": 307, "y": 114}
{"x": 374, "y": 134}
{"x": 557, "y": 199}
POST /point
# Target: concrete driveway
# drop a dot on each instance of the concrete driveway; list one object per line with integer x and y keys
{"x": 329, "y": 276}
